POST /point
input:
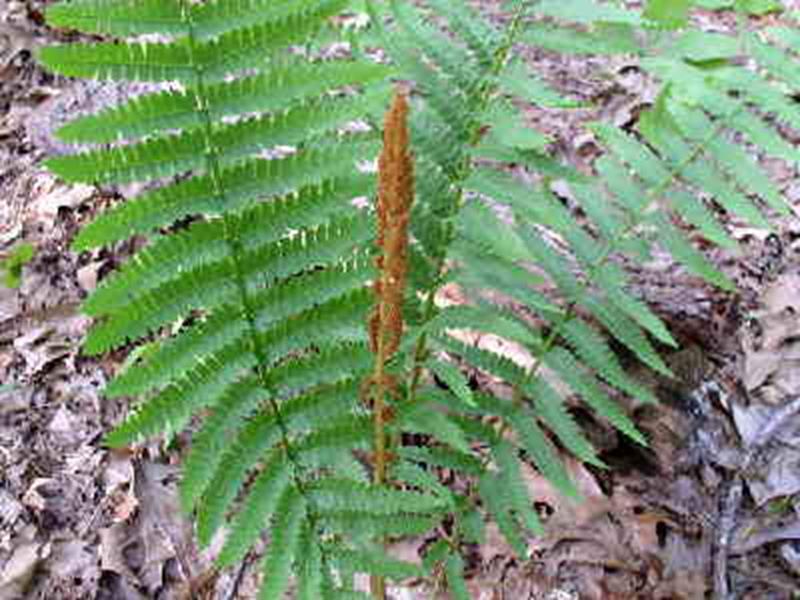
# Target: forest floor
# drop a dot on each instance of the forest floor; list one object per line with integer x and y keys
{"x": 715, "y": 501}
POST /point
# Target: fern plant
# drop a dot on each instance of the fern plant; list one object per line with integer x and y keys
{"x": 302, "y": 340}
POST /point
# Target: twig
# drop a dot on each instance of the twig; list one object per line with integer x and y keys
{"x": 231, "y": 595}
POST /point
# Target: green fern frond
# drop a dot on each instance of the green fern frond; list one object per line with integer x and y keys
{"x": 466, "y": 317}
{"x": 270, "y": 92}
{"x": 262, "y": 269}
{"x": 696, "y": 125}
{"x": 119, "y": 17}
{"x": 614, "y": 282}
{"x": 374, "y": 561}
{"x": 209, "y": 286}
{"x": 259, "y": 435}
{"x": 315, "y": 174}
{"x": 171, "y": 408}
{"x": 332, "y": 365}
{"x": 451, "y": 59}
{"x": 479, "y": 36}
{"x": 697, "y": 214}
{"x": 454, "y": 571}
{"x": 440, "y": 426}
{"x": 136, "y": 17}
{"x": 311, "y": 572}
{"x": 443, "y": 457}
{"x": 625, "y": 330}
{"x": 494, "y": 364}
{"x": 588, "y": 12}
{"x": 699, "y": 171}
{"x": 262, "y": 503}
{"x": 166, "y": 156}
{"x": 156, "y": 62}
{"x": 215, "y": 18}
{"x": 336, "y": 495}
{"x": 200, "y": 244}
{"x": 365, "y": 526}
{"x": 549, "y": 408}
{"x": 780, "y": 66}
{"x": 490, "y": 487}
{"x": 218, "y": 461}
{"x": 481, "y": 226}
{"x": 184, "y": 59}
{"x": 513, "y": 486}
{"x": 338, "y": 321}
{"x": 239, "y": 401}
{"x": 487, "y": 272}
{"x": 220, "y": 328}
{"x": 318, "y": 449}
{"x": 411, "y": 475}
{"x": 580, "y": 380}
{"x": 594, "y": 352}
{"x": 683, "y": 252}
{"x": 454, "y": 380}
{"x": 541, "y": 451}
{"x": 285, "y": 536}
{"x": 516, "y": 81}
{"x": 200, "y": 288}
{"x": 620, "y": 39}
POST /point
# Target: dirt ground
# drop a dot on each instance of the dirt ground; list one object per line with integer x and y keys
{"x": 712, "y": 503}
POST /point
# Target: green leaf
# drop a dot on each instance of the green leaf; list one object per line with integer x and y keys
{"x": 454, "y": 380}
{"x": 13, "y": 263}
{"x": 341, "y": 494}
{"x": 680, "y": 249}
{"x": 517, "y": 80}
{"x": 605, "y": 39}
{"x": 668, "y": 14}
{"x": 491, "y": 490}
{"x": 760, "y": 7}
{"x": 438, "y": 426}
{"x": 702, "y": 46}
{"x": 284, "y": 544}
{"x": 517, "y": 496}
{"x": 377, "y": 562}
{"x": 587, "y": 11}
{"x": 266, "y": 499}
{"x": 508, "y": 128}
{"x": 454, "y": 571}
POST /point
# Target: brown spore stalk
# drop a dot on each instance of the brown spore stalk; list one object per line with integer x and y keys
{"x": 395, "y": 196}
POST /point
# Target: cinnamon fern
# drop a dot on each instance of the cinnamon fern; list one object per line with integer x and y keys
{"x": 299, "y": 349}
